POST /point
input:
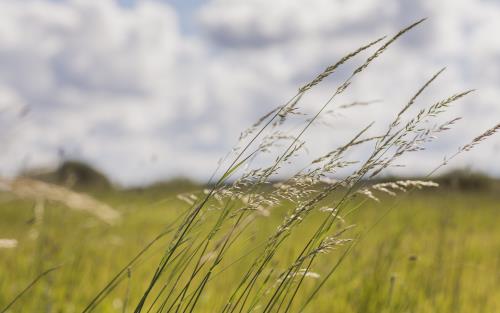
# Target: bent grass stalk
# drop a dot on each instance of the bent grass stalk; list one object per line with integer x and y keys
{"x": 229, "y": 209}
{"x": 28, "y": 287}
{"x": 231, "y": 169}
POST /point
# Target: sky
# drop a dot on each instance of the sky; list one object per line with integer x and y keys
{"x": 148, "y": 90}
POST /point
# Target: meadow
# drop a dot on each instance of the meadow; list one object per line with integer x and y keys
{"x": 268, "y": 233}
{"x": 431, "y": 251}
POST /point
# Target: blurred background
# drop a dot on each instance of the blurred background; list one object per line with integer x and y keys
{"x": 148, "y": 95}
{"x": 149, "y": 90}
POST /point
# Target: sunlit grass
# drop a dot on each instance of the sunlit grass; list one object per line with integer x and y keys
{"x": 435, "y": 251}
{"x": 255, "y": 241}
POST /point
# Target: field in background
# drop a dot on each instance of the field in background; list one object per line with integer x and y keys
{"x": 434, "y": 251}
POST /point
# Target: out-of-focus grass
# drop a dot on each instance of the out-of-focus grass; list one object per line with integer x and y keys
{"x": 434, "y": 252}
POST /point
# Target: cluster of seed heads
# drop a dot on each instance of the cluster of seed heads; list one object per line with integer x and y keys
{"x": 248, "y": 190}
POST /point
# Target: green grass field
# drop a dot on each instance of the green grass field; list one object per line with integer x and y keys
{"x": 434, "y": 251}
{"x": 317, "y": 241}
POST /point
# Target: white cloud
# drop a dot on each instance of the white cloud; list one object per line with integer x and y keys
{"x": 126, "y": 89}
{"x": 100, "y": 81}
{"x": 301, "y": 38}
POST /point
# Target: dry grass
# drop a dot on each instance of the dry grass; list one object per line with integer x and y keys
{"x": 201, "y": 243}
{"x": 26, "y": 188}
